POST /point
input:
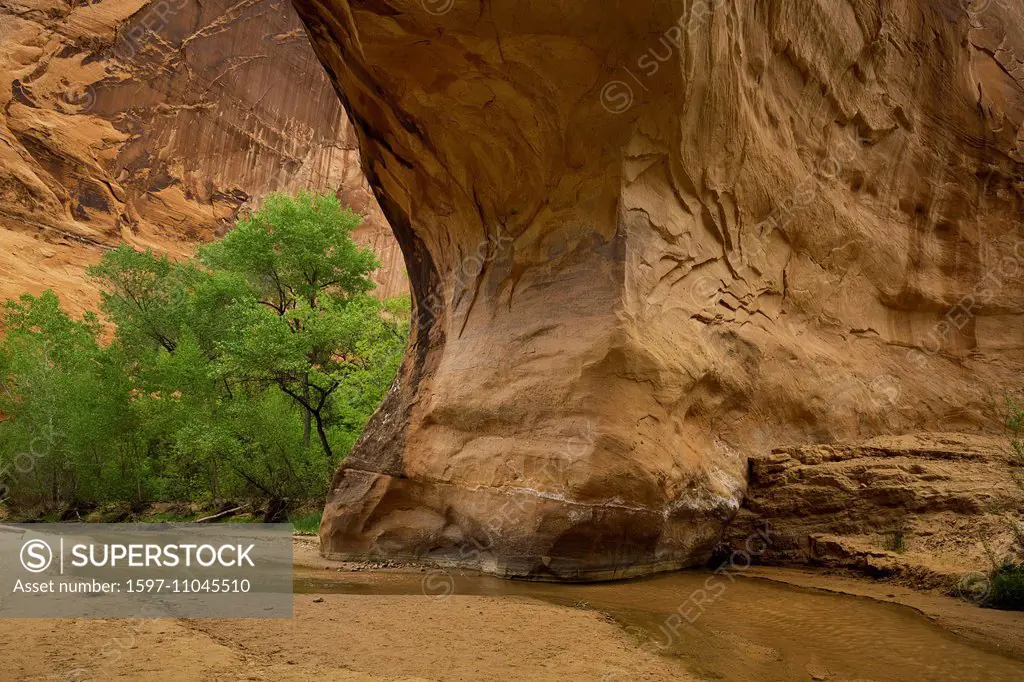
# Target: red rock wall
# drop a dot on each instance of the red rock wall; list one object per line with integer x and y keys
{"x": 155, "y": 123}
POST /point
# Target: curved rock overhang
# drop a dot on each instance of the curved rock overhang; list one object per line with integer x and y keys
{"x": 649, "y": 239}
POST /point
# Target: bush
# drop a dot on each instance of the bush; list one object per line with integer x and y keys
{"x": 1007, "y": 591}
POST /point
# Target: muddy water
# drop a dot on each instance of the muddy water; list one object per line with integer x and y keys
{"x": 723, "y": 628}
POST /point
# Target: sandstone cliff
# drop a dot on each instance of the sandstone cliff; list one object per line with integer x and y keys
{"x": 648, "y": 240}
{"x": 928, "y": 509}
{"x": 155, "y": 122}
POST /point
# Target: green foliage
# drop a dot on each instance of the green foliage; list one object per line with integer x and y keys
{"x": 296, "y": 250}
{"x": 307, "y": 523}
{"x": 1007, "y": 587}
{"x": 62, "y": 400}
{"x": 1015, "y": 426}
{"x": 220, "y": 371}
{"x": 1006, "y": 579}
{"x": 314, "y": 324}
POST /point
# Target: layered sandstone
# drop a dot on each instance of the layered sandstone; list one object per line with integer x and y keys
{"x": 648, "y": 240}
{"x": 925, "y": 508}
{"x": 156, "y": 123}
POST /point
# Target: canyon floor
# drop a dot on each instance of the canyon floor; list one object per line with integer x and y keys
{"x": 407, "y": 623}
{"x": 344, "y": 637}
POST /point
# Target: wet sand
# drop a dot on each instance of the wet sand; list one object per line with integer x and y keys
{"x": 1002, "y": 631}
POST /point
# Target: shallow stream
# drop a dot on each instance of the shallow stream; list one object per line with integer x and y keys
{"x": 721, "y": 627}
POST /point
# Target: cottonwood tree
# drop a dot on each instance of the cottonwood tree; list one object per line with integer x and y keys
{"x": 210, "y": 374}
{"x": 314, "y": 324}
{"x": 61, "y": 399}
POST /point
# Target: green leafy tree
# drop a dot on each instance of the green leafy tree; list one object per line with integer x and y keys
{"x": 152, "y": 300}
{"x": 62, "y": 402}
{"x": 296, "y": 250}
{"x": 311, "y": 282}
{"x": 219, "y": 370}
{"x": 345, "y": 350}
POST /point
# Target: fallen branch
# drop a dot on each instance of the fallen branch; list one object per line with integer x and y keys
{"x": 220, "y": 515}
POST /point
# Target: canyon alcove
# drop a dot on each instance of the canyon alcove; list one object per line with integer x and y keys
{"x": 649, "y": 240}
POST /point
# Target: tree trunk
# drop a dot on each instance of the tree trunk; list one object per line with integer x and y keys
{"x": 307, "y": 419}
{"x": 216, "y": 482}
{"x": 323, "y": 436}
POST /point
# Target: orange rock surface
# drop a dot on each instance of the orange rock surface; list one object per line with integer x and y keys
{"x": 155, "y": 123}
{"x": 650, "y": 240}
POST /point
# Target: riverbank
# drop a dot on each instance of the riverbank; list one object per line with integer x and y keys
{"x": 338, "y": 637}
{"x": 368, "y": 622}
{"x": 305, "y": 514}
{"x": 754, "y": 623}
{"x": 349, "y": 637}
{"x": 1000, "y": 630}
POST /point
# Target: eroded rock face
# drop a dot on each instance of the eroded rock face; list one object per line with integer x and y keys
{"x": 926, "y": 508}
{"x": 648, "y": 240}
{"x": 155, "y": 123}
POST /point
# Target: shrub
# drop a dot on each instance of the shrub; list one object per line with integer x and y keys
{"x": 1007, "y": 590}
